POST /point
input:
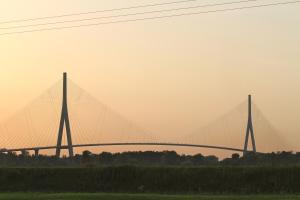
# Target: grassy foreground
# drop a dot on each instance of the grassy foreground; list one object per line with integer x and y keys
{"x": 155, "y": 180}
{"x": 101, "y": 196}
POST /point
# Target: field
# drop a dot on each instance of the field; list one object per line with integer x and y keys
{"x": 102, "y": 196}
{"x": 155, "y": 180}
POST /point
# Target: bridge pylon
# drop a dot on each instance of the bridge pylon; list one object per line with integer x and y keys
{"x": 64, "y": 120}
{"x": 249, "y": 131}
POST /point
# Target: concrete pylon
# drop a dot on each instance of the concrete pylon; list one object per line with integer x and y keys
{"x": 249, "y": 128}
{"x": 64, "y": 120}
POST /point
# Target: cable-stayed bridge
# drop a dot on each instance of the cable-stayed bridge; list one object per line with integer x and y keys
{"x": 68, "y": 117}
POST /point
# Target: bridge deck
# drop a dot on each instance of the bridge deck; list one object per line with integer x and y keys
{"x": 126, "y": 144}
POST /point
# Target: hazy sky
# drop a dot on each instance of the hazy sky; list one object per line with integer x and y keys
{"x": 171, "y": 76}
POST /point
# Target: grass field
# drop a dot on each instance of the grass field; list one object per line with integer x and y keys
{"x": 82, "y": 196}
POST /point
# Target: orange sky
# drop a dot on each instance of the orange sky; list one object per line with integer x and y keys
{"x": 170, "y": 76}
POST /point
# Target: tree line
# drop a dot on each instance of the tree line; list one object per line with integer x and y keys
{"x": 149, "y": 158}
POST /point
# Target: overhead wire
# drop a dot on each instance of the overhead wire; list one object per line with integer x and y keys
{"x": 97, "y": 11}
{"x": 130, "y": 14}
{"x": 152, "y": 18}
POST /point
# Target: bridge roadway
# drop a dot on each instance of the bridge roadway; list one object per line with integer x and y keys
{"x": 124, "y": 144}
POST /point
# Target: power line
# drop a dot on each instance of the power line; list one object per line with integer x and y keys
{"x": 151, "y": 18}
{"x": 130, "y": 14}
{"x": 97, "y": 11}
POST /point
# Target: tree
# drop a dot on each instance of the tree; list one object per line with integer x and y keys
{"x": 235, "y": 156}
{"x": 86, "y": 155}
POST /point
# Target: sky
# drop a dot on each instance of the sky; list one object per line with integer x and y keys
{"x": 171, "y": 76}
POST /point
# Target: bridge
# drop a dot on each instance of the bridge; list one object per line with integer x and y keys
{"x": 65, "y": 122}
{"x": 37, "y": 149}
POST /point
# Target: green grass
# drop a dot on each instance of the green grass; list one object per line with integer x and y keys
{"x": 101, "y": 196}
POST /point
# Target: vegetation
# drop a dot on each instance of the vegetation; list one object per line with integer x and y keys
{"x": 84, "y": 196}
{"x": 171, "y": 180}
{"x": 152, "y": 172}
{"x": 149, "y": 158}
